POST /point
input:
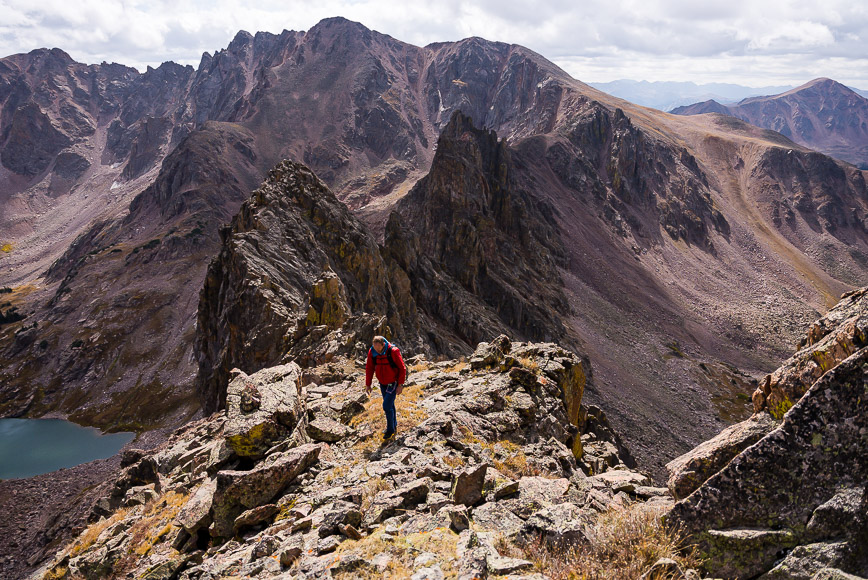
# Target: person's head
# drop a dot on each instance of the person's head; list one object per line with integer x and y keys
{"x": 379, "y": 343}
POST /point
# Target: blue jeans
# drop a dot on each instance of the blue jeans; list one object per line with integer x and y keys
{"x": 390, "y": 391}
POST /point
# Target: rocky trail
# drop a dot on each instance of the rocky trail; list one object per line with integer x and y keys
{"x": 493, "y": 456}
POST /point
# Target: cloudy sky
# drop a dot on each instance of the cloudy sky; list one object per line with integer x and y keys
{"x": 740, "y": 41}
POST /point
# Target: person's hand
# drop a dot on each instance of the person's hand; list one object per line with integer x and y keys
{"x": 400, "y": 388}
{"x": 368, "y": 390}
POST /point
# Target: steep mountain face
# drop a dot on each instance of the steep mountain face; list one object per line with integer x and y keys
{"x": 295, "y": 265}
{"x": 822, "y": 114}
{"x": 112, "y": 339}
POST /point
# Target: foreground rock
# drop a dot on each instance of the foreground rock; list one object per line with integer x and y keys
{"x": 264, "y": 408}
{"x": 800, "y": 490}
{"x": 480, "y": 454}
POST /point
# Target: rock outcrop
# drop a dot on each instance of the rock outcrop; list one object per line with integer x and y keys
{"x": 793, "y": 502}
{"x": 480, "y": 453}
{"x": 295, "y": 266}
{"x": 469, "y": 240}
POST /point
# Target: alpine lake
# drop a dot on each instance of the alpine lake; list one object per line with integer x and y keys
{"x": 31, "y": 447}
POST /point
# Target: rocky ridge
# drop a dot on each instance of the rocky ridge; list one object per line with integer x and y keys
{"x": 782, "y": 495}
{"x": 290, "y": 478}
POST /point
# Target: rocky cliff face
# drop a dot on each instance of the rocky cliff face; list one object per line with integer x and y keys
{"x": 295, "y": 265}
{"x": 783, "y": 494}
{"x": 471, "y": 222}
{"x": 822, "y": 114}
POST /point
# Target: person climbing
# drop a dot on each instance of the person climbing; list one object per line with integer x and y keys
{"x": 385, "y": 361}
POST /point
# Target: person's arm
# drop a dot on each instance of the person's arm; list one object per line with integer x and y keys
{"x": 369, "y": 372}
{"x": 402, "y": 368}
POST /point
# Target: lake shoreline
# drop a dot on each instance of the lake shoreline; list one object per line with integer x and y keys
{"x": 39, "y": 514}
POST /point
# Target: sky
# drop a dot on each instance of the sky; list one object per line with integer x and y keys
{"x": 748, "y": 42}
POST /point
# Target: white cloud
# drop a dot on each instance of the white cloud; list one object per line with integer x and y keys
{"x": 774, "y": 41}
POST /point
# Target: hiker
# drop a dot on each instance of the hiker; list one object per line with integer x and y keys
{"x": 385, "y": 361}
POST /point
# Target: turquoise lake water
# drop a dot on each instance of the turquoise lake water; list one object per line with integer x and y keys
{"x": 32, "y": 446}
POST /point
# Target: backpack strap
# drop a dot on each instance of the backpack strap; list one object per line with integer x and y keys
{"x": 389, "y": 357}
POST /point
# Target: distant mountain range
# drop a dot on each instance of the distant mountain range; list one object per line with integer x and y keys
{"x": 822, "y": 114}
{"x": 665, "y": 95}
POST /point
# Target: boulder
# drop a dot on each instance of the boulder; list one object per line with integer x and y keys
{"x": 196, "y": 513}
{"x": 833, "y": 518}
{"x": 388, "y": 504}
{"x": 502, "y": 566}
{"x": 237, "y": 491}
{"x": 818, "y": 450}
{"x": 559, "y": 525}
{"x": 804, "y": 561}
{"x": 255, "y": 516}
{"x": 328, "y": 430}
{"x": 485, "y": 355}
{"x": 744, "y": 553}
{"x": 468, "y": 484}
{"x": 264, "y": 408}
{"x": 834, "y": 574}
{"x": 496, "y": 517}
{"x": 619, "y": 480}
{"x": 690, "y": 470}
{"x": 456, "y": 515}
{"x": 330, "y": 517}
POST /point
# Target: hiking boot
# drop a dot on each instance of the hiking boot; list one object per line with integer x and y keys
{"x": 388, "y": 435}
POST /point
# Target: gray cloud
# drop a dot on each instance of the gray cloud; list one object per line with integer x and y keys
{"x": 742, "y": 41}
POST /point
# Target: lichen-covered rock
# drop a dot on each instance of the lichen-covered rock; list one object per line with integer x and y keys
{"x": 834, "y": 574}
{"x": 744, "y": 553}
{"x": 560, "y": 525}
{"x": 790, "y": 488}
{"x": 467, "y": 485}
{"x": 196, "y": 513}
{"x": 804, "y": 561}
{"x": 833, "y": 518}
{"x": 237, "y": 491}
{"x": 690, "y": 470}
{"x": 830, "y": 340}
{"x": 278, "y": 412}
{"x": 328, "y": 430}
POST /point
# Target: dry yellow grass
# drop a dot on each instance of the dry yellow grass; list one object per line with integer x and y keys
{"x": 151, "y": 528}
{"x": 401, "y": 550}
{"x": 530, "y": 364}
{"x": 457, "y": 367}
{"x": 506, "y": 457}
{"x": 624, "y": 543}
{"x": 454, "y": 462}
{"x": 89, "y": 535}
{"x": 6, "y": 247}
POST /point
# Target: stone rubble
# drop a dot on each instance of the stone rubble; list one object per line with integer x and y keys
{"x": 289, "y": 480}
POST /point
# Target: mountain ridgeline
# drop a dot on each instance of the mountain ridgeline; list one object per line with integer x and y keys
{"x": 823, "y": 115}
{"x": 441, "y": 195}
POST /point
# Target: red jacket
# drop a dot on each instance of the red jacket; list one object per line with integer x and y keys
{"x": 380, "y": 366}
